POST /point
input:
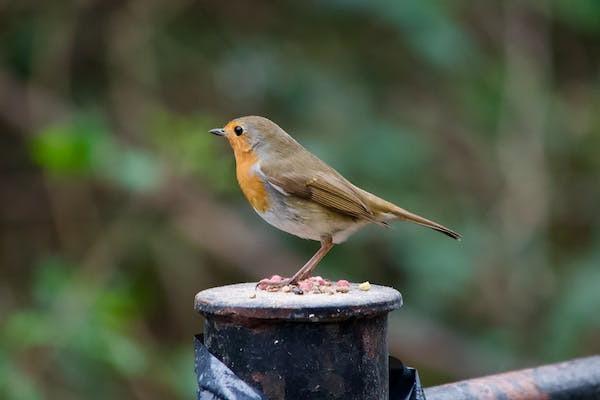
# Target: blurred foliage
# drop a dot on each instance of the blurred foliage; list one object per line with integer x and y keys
{"x": 84, "y": 148}
{"x": 117, "y": 206}
{"x": 86, "y": 330}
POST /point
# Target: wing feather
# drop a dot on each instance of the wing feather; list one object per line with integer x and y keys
{"x": 329, "y": 190}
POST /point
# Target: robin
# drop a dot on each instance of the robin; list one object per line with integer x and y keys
{"x": 296, "y": 192}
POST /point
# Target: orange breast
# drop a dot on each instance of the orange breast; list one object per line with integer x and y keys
{"x": 251, "y": 184}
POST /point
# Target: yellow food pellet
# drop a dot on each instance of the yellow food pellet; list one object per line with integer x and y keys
{"x": 365, "y": 286}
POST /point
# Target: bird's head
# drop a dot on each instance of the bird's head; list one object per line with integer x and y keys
{"x": 254, "y": 134}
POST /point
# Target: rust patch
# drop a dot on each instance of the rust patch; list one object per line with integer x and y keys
{"x": 574, "y": 379}
{"x": 272, "y": 384}
{"x": 512, "y": 385}
{"x": 520, "y": 387}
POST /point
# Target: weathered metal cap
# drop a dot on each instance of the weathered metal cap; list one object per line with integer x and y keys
{"x": 239, "y": 301}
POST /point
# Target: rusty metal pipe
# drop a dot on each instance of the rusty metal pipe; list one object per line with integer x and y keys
{"x": 575, "y": 379}
{"x": 311, "y": 346}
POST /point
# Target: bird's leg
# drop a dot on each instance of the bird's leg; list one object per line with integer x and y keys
{"x": 308, "y": 268}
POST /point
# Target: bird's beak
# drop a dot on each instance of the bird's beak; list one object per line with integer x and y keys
{"x": 218, "y": 131}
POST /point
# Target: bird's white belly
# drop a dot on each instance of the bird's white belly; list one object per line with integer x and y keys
{"x": 292, "y": 225}
{"x": 313, "y": 228}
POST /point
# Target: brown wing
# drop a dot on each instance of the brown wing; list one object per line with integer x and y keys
{"x": 326, "y": 189}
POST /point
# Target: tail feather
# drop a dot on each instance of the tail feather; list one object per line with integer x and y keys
{"x": 417, "y": 219}
{"x": 381, "y": 206}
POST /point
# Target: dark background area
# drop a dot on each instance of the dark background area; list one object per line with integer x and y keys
{"x": 117, "y": 206}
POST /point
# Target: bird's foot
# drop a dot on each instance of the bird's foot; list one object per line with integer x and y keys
{"x": 274, "y": 283}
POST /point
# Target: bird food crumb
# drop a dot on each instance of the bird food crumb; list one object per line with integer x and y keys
{"x": 327, "y": 290}
{"x": 252, "y": 295}
{"x": 306, "y": 285}
{"x": 342, "y": 286}
{"x": 318, "y": 280}
{"x": 312, "y": 285}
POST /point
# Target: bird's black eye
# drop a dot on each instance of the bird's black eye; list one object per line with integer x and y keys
{"x": 238, "y": 130}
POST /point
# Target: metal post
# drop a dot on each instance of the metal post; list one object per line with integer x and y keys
{"x": 311, "y": 346}
{"x": 575, "y": 379}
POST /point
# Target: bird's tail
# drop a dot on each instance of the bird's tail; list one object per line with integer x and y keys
{"x": 417, "y": 219}
{"x": 386, "y": 208}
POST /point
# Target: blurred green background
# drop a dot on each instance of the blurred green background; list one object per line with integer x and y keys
{"x": 117, "y": 206}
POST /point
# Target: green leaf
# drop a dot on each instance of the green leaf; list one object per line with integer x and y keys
{"x": 65, "y": 149}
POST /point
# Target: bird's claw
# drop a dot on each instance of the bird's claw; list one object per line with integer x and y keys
{"x": 273, "y": 284}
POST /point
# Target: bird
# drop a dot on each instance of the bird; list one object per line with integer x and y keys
{"x": 296, "y": 192}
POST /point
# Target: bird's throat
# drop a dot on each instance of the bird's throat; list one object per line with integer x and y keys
{"x": 250, "y": 182}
